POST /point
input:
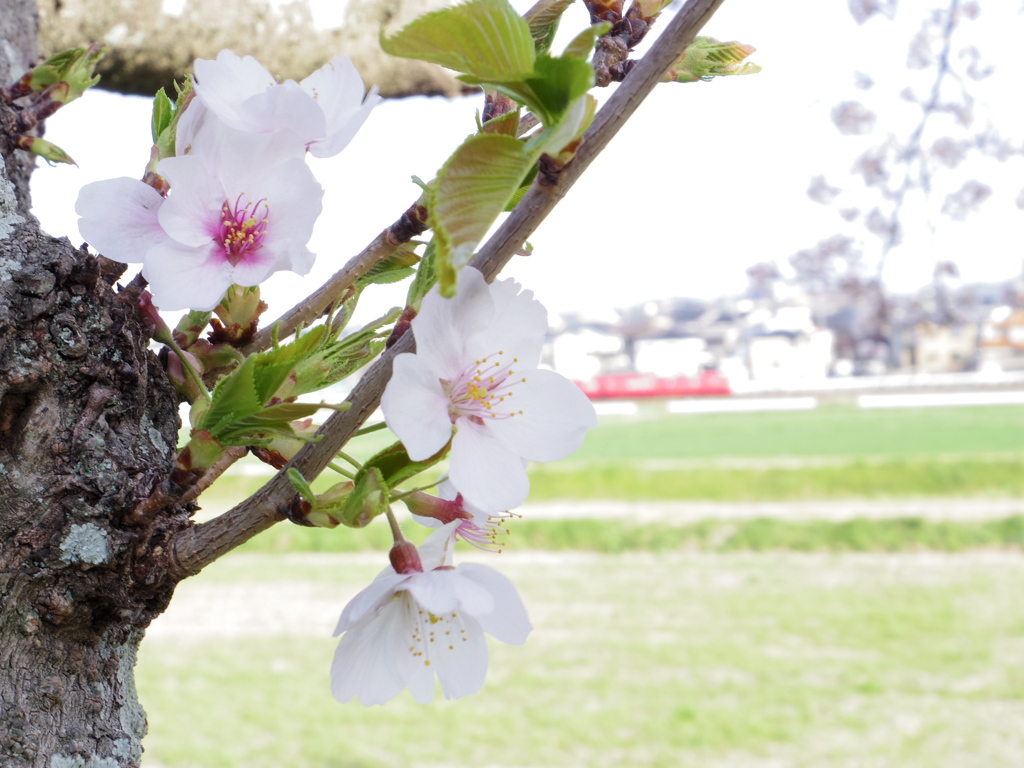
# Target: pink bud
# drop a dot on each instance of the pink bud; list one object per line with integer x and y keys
{"x": 150, "y": 315}
{"x": 425, "y": 505}
{"x": 405, "y": 558}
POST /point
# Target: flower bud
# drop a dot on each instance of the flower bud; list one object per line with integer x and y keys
{"x": 707, "y": 57}
{"x": 149, "y": 313}
{"x": 405, "y": 558}
{"x": 280, "y": 450}
{"x": 444, "y": 510}
{"x": 239, "y": 312}
{"x": 44, "y": 149}
{"x": 180, "y": 378}
{"x": 648, "y": 9}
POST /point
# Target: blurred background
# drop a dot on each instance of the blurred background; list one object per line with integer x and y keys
{"x": 796, "y": 300}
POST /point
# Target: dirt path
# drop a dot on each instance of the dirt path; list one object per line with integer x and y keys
{"x": 683, "y": 512}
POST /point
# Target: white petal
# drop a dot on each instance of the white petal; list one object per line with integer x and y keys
{"x": 518, "y": 327}
{"x": 343, "y": 128}
{"x": 508, "y": 621}
{"x": 443, "y": 325}
{"x": 120, "y": 218}
{"x": 473, "y": 598}
{"x": 295, "y": 200}
{"x": 338, "y": 90}
{"x": 256, "y": 266}
{"x": 372, "y": 661}
{"x": 369, "y": 599}
{"x": 555, "y": 418}
{"x": 225, "y": 84}
{"x": 181, "y": 277}
{"x": 446, "y": 489}
{"x": 421, "y": 683}
{"x": 436, "y": 550}
{"x": 288, "y": 108}
{"x": 461, "y": 665}
{"x": 487, "y": 473}
{"x": 191, "y": 214}
{"x": 192, "y": 122}
{"x": 434, "y": 590}
{"x": 416, "y": 408}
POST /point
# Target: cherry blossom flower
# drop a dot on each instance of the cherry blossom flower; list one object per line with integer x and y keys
{"x": 475, "y": 369}
{"x": 237, "y": 221}
{"x": 325, "y": 110}
{"x": 119, "y": 218}
{"x": 476, "y": 527}
{"x": 406, "y": 627}
{"x": 237, "y": 212}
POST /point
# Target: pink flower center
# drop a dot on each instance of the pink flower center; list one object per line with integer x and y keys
{"x": 481, "y": 391}
{"x": 242, "y": 228}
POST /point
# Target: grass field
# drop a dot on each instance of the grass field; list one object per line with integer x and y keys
{"x": 671, "y": 660}
{"x": 714, "y": 643}
{"x": 836, "y": 451}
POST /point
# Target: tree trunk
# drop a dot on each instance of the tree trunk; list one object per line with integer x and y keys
{"x": 88, "y": 425}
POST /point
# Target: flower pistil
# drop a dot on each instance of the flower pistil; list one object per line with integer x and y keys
{"x": 242, "y": 228}
{"x": 481, "y": 388}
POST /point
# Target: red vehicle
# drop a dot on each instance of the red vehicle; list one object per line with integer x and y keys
{"x": 632, "y": 385}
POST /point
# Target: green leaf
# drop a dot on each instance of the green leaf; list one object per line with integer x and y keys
{"x": 163, "y": 114}
{"x": 274, "y": 365}
{"x": 368, "y": 499}
{"x": 426, "y": 276}
{"x": 472, "y": 188}
{"x": 707, "y": 57}
{"x": 506, "y": 125}
{"x": 237, "y": 409}
{"x": 582, "y": 45}
{"x": 572, "y": 125}
{"x": 272, "y": 421}
{"x": 396, "y": 266}
{"x": 559, "y": 82}
{"x": 301, "y": 486}
{"x": 234, "y": 397}
{"x": 549, "y": 91}
{"x": 340, "y": 358}
{"x": 543, "y": 19}
{"x": 484, "y": 38}
{"x": 396, "y": 467}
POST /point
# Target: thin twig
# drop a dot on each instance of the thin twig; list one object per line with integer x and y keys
{"x": 196, "y": 547}
{"x": 219, "y": 467}
{"x": 411, "y": 223}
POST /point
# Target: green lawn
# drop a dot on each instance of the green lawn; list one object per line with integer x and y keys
{"x": 712, "y": 644}
{"x": 831, "y": 430}
{"x": 614, "y": 536}
{"x": 670, "y": 660}
{"x": 836, "y": 451}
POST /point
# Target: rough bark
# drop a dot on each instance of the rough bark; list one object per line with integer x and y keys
{"x": 150, "y": 48}
{"x": 88, "y": 424}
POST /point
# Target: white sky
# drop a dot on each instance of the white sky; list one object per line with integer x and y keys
{"x": 706, "y": 179}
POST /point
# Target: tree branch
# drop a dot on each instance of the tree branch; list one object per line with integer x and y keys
{"x": 198, "y": 546}
{"x": 412, "y": 223}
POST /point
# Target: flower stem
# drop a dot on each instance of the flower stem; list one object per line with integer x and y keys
{"x": 402, "y": 494}
{"x": 396, "y": 532}
{"x": 341, "y": 471}
{"x": 349, "y": 459}
{"x": 371, "y": 428}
